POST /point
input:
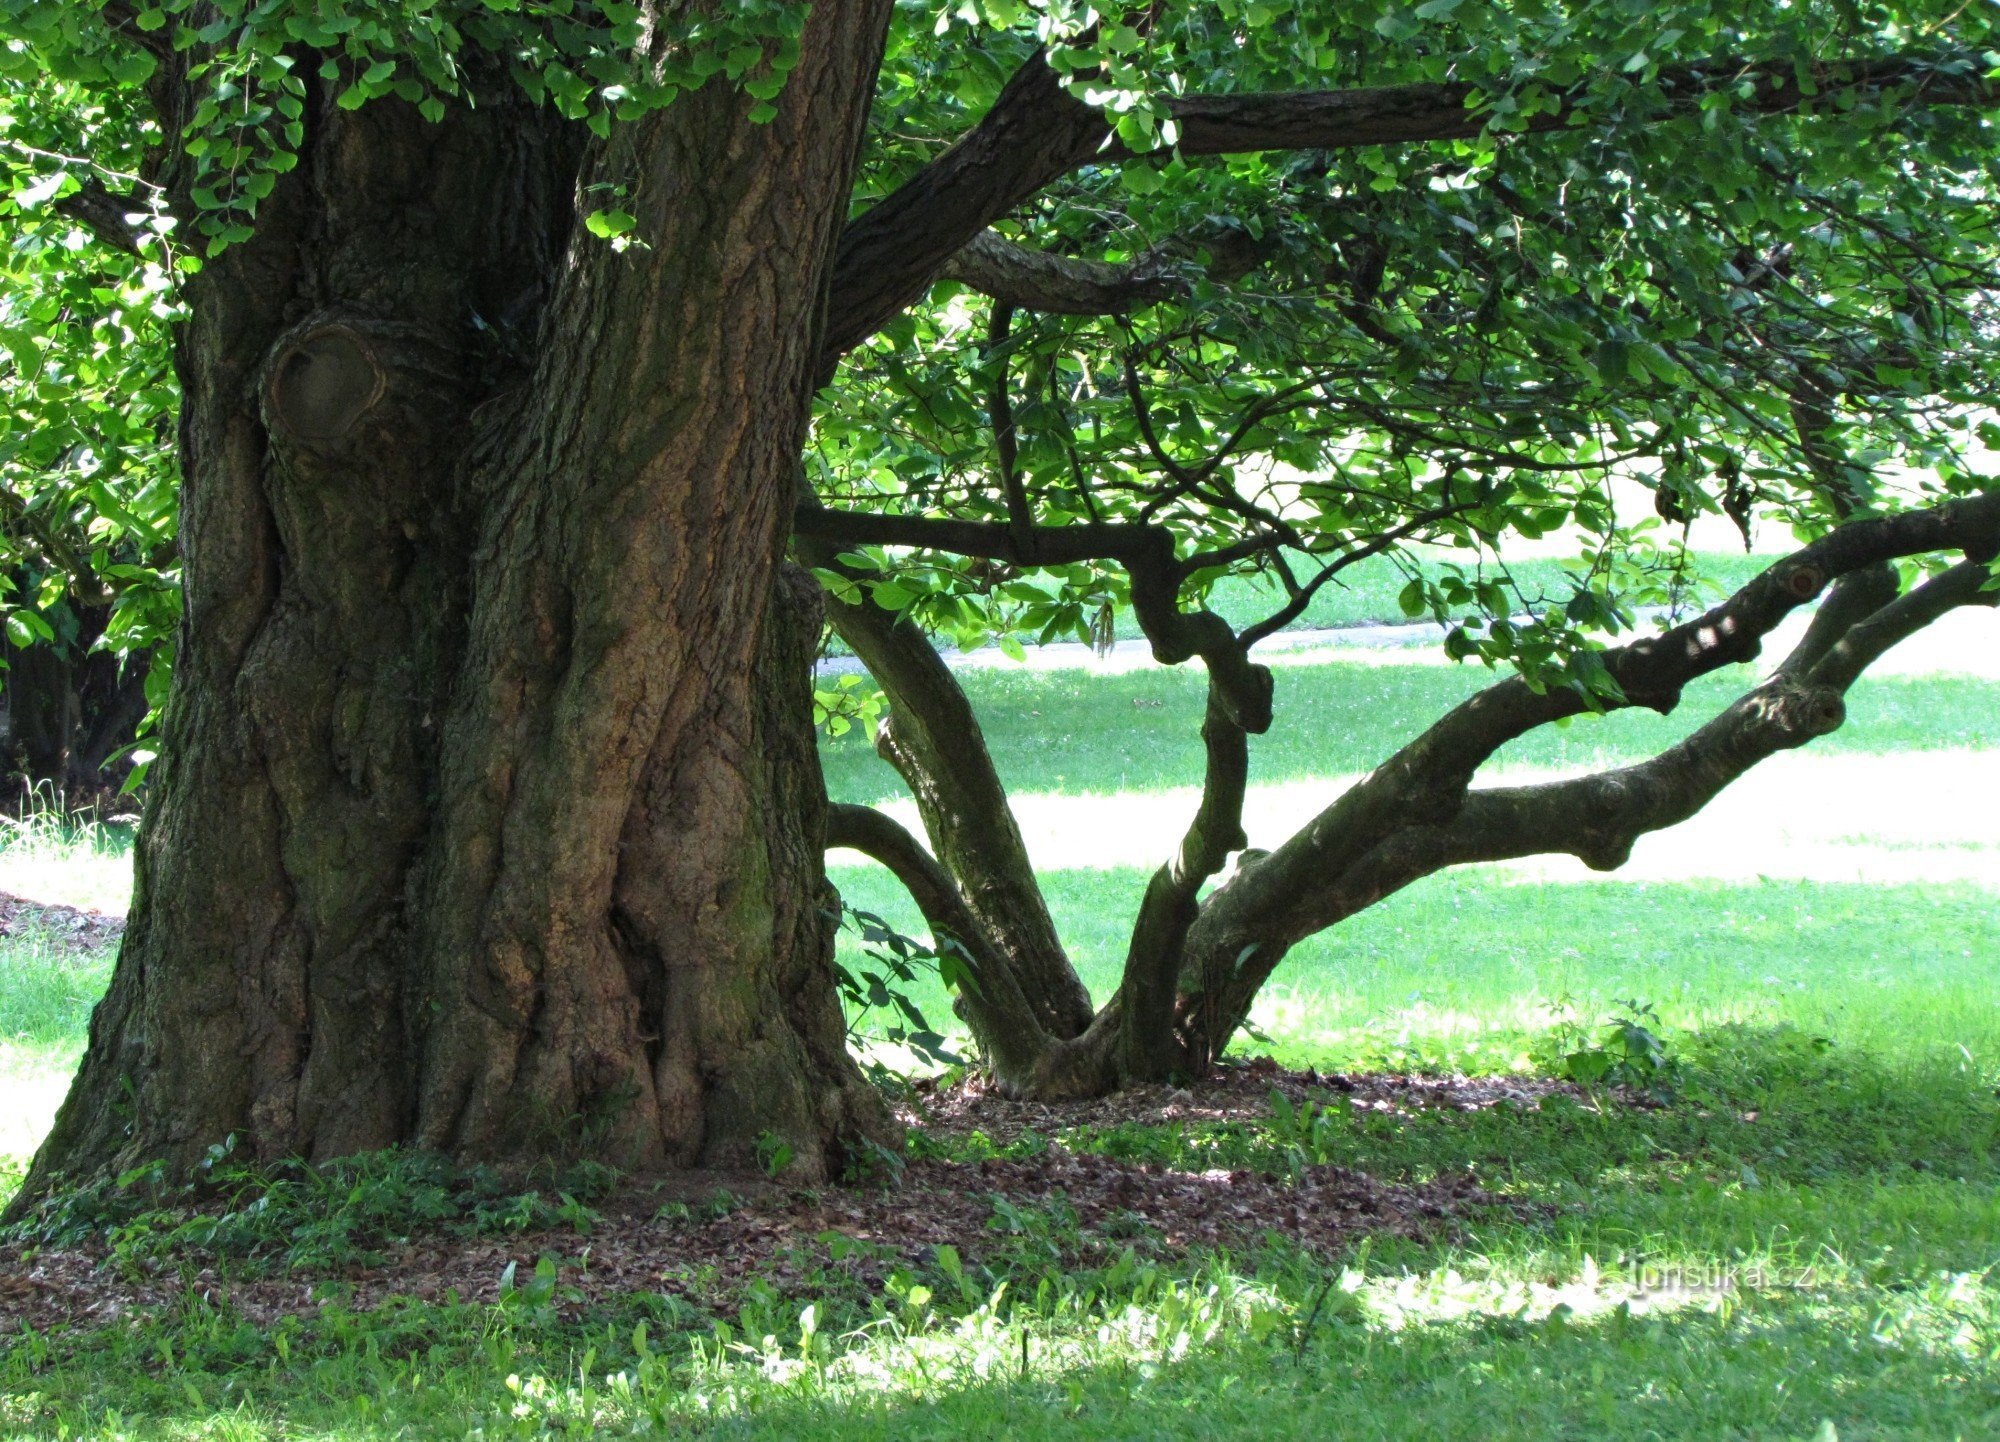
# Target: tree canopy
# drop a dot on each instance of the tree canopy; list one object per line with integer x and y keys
{"x": 1294, "y": 285}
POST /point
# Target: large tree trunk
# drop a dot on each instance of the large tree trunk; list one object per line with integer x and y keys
{"x": 488, "y": 818}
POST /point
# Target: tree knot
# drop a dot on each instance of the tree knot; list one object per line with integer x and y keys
{"x": 1804, "y": 582}
{"x": 323, "y": 382}
{"x": 1802, "y": 713}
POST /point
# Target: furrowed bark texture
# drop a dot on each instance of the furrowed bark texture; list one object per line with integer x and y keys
{"x": 489, "y": 818}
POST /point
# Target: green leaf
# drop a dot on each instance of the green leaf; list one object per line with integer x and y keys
{"x": 605, "y": 224}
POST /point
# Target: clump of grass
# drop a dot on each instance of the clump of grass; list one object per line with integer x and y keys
{"x": 47, "y": 988}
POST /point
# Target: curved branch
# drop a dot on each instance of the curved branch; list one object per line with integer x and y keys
{"x": 1146, "y": 552}
{"x": 1970, "y": 583}
{"x": 890, "y": 254}
{"x": 999, "y": 1012}
{"x": 1416, "y": 814}
{"x": 1037, "y": 132}
{"x": 1150, "y": 1049}
{"x": 933, "y": 740}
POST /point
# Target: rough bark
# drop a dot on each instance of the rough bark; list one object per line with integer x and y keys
{"x": 933, "y": 740}
{"x": 488, "y": 818}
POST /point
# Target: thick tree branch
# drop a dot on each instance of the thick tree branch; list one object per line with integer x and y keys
{"x": 103, "y": 213}
{"x": 1598, "y": 818}
{"x": 1001, "y": 1016}
{"x": 1402, "y": 114}
{"x": 1061, "y": 285}
{"x": 1970, "y": 583}
{"x": 1849, "y": 600}
{"x": 890, "y": 254}
{"x": 933, "y": 740}
{"x": 1421, "y": 798}
{"x": 1147, "y": 993}
{"x": 1037, "y": 132}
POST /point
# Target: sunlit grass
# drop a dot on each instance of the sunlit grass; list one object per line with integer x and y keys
{"x": 1463, "y": 970}
{"x": 56, "y": 862}
{"x": 1077, "y": 733}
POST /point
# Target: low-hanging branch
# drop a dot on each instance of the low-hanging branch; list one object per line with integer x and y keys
{"x": 1006, "y": 1022}
{"x": 1195, "y": 962}
{"x": 1417, "y": 813}
{"x": 1145, "y": 551}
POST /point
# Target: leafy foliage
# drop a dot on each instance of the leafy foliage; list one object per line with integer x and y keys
{"x": 1457, "y": 344}
{"x": 1461, "y": 343}
{"x": 1628, "y": 1051}
{"x": 880, "y": 987}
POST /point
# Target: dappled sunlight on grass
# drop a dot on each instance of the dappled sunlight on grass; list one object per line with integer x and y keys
{"x": 1077, "y": 734}
{"x": 1460, "y": 969}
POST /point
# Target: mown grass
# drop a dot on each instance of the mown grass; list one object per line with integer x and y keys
{"x": 1801, "y": 1246}
{"x": 1821, "y": 1195}
{"x": 1463, "y": 971}
{"x": 1073, "y": 732}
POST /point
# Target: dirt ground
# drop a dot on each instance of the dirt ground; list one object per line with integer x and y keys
{"x": 707, "y": 1253}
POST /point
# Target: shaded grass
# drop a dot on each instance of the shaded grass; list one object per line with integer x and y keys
{"x": 47, "y": 989}
{"x": 1779, "y": 1366}
{"x": 1830, "y": 1222}
{"x": 1462, "y": 970}
{"x": 1074, "y": 732}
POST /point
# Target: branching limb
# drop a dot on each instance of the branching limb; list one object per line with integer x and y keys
{"x": 934, "y": 741}
{"x": 1966, "y": 584}
{"x": 1037, "y": 132}
{"x": 1416, "y": 814}
{"x": 1145, "y": 551}
{"x": 1067, "y": 285}
{"x": 1851, "y": 599}
{"x": 1008, "y": 1029}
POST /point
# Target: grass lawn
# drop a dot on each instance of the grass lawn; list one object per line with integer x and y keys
{"x": 1801, "y": 1243}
